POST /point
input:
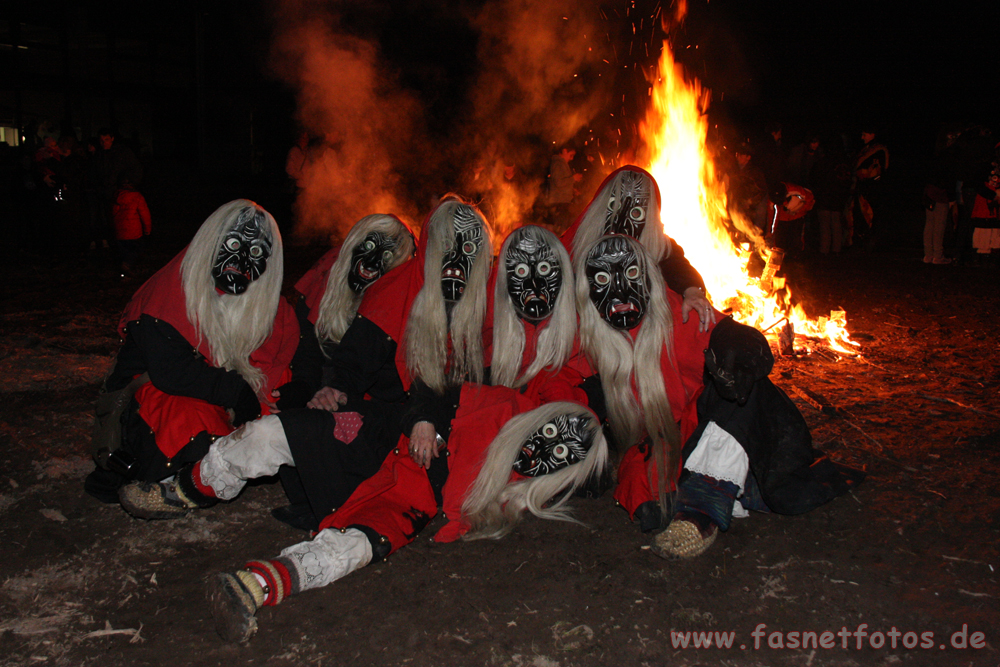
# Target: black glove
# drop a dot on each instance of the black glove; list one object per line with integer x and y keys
{"x": 294, "y": 394}
{"x": 737, "y": 356}
{"x": 247, "y": 406}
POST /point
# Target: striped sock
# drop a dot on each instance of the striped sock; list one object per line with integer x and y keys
{"x": 277, "y": 581}
{"x": 202, "y": 488}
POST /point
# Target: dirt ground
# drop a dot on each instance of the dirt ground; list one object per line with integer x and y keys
{"x": 913, "y": 550}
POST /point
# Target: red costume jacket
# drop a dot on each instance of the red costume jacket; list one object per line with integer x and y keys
{"x": 683, "y": 378}
{"x": 175, "y": 418}
{"x": 399, "y": 501}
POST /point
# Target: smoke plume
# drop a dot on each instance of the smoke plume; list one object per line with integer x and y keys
{"x": 539, "y": 74}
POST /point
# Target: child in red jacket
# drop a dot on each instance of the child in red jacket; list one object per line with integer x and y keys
{"x": 132, "y": 222}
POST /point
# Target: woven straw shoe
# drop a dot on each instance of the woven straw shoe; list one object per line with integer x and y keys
{"x": 234, "y": 598}
{"x": 683, "y": 539}
{"x": 154, "y": 500}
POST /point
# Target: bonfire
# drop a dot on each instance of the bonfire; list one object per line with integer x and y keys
{"x": 695, "y": 214}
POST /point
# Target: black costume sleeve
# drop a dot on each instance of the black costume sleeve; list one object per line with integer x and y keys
{"x": 306, "y": 366}
{"x": 365, "y": 363}
{"x": 426, "y": 406}
{"x": 678, "y": 272}
{"x": 175, "y": 367}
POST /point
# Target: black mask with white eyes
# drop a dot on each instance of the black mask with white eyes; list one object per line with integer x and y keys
{"x": 534, "y": 276}
{"x": 243, "y": 255}
{"x": 618, "y": 286}
{"x": 561, "y": 442}
{"x": 460, "y": 252}
{"x": 628, "y": 205}
{"x": 369, "y": 260}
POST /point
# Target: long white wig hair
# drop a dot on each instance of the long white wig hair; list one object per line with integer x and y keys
{"x": 619, "y": 362}
{"x": 493, "y": 505}
{"x": 339, "y": 304}
{"x": 428, "y": 327}
{"x": 591, "y": 225}
{"x": 233, "y": 325}
{"x": 555, "y": 342}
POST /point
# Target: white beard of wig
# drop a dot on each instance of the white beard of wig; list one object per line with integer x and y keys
{"x": 591, "y": 225}
{"x": 233, "y": 325}
{"x": 340, "y": 304}
{"x": 493, "y": 506}
{"x": 618, "y": 361}
{"x": 555, "y": 342}
{"x": 427, "y": 326}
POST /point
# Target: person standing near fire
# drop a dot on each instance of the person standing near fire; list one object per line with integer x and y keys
{"x": 110, "y": 162}
{"x": 788, "y": 205}
{"x": 986, "y": 208}
{"x": 870, "y": 166}
{"x": 133, "y": 224}
{"x": 562, "y": 187}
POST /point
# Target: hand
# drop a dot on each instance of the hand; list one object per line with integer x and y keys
{"x": 247, "y": 407}
{"x": 694, "y": 299}
{"x": 423, "y": 444}
{"x": 272, "y": 406}
{"x": 328, "y": 399}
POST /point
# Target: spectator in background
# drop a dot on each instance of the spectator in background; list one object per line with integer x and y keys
{"x": 132, "y": 221}
{"x": 831, "y": 180}
{"x": 802, "y": 159}
{"x": 771, "y": 155}
{"x": 974, "y": 148}
{"x": 73, "y": 175}
{"x": 939, "y": 202}
{"x": 110, "y": 163}
{"x": 748, "y": 187}
{"x": 869, "y": 168}
{"x": 789, "y": 203}
{"x": 986, "y": 209}
{"x": 295, "y": 161}
{"x": 561, "y": 187}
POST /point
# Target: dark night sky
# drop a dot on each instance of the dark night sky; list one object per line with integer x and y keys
{"x": 908, "y": 68}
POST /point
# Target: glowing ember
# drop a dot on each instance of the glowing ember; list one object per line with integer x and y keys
{"x": 694, "y": 213}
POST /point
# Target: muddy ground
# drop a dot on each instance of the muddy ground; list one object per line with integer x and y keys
{"x": 914, "y": 548}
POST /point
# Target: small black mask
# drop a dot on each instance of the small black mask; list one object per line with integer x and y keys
{"x": 369, "y": 260}
{"x": 460, "y": 253}
{"x": 561, "y": 442}
{"x": 534, "y": 276}
{"x": 628, "y": 205}
{"x": 243, "y": 255}
{"x": 618, "y": 287}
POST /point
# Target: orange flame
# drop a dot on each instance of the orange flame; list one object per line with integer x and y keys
{"x": 695, "y": 214}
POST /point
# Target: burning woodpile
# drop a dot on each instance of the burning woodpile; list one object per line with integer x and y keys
{"x": 695, "y": 213}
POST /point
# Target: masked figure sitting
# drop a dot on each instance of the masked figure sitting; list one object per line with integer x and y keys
{"x": 704, "y": 432}
{"x": 207, "y": 340}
